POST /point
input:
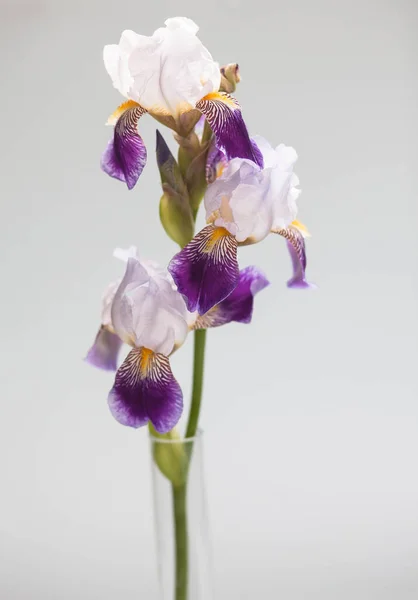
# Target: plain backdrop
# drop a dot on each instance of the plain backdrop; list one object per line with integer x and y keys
{"x": 310, "y": 413}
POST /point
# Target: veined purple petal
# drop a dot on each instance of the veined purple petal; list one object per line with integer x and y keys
{"x": 145, "y": 390}
{"x": 126, "y": 155}
{"x": 105, "y": 350}
{"x": 238, "y": 306}
{"x": 215, "y": 163}
{"x": 206, "y": 270}
{"x": 297, "y": 250}
{"x": 223, "y": 114}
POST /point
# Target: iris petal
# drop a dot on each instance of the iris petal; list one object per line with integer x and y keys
{"x": 238, "y": 306}
{"x": 296, "y": 246}
{"x": 223, "y": 114}
{"x": 105, "y": 350}
{"x": 206, "y": 270}
{"x": 215, "y": 163}
{"x": 146, "y": 390}
{"x": 125, "y": 155}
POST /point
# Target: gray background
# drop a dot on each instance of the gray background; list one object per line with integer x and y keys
{"x": 311, "y": 412}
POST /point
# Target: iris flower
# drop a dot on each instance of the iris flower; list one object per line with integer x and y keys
{"x": 145, "y": 311}
{"x": 244, "y": 204}
{"x": 173, "y": 77}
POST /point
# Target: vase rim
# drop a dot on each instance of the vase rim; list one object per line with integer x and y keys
{"x": 187, "y": 440}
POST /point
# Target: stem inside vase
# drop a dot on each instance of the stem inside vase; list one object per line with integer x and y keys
{"x": 180, "y": 492}
{"x": 181, "y": 541}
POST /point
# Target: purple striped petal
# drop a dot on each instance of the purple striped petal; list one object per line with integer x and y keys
{"x": 223, "y": 114}
{"x": 238, "y": 306}
{"x": 145, "y": 390}
{"x": 215, "y": 163}
{"x": 297, "y": 250}
{"x": 105, "y": 350}
{"x": 206, "y": 270}
{"x": 126, "y": 155}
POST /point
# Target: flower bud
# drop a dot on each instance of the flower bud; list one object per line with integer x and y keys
{"x": 172, "y": 459}
{"x": 229, "y": 78}
{"x": 175, "y": 212}
{"x": 176, "y": 216}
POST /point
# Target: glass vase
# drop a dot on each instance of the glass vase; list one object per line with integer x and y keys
{"x": 180, "y": 505}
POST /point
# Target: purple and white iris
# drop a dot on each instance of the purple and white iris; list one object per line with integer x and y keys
{"x": 145, "y": 311}
{"x": 173, "y": 77}
{"x": 249, "y": 190}
{"x": 243, "y": 206}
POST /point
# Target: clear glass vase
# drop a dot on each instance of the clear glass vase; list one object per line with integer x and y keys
{"x": 184, "y": 553}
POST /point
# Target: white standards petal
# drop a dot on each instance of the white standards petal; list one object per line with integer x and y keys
{"x": 121, "y": 311}
{"x": 188, "y": 71}
{"x": 286, "y": 156}
{"x": 249, "y": 201}
{"x": 269, "y": 154}
{"x": 107, "y": 301}
{"x": 182, "y": 23}
{"x": 144, "y": 64}
{"x": 284, "y": 187}
{"x": 147, "y": 311}
{"x": 253, "y": 212}
{"x": 125, "y": 254}
{"x": 152, "y": 267}
{"x": 168, "y": 72}
{"x": 115, "y": 59}
{"x": 239, "y": 201}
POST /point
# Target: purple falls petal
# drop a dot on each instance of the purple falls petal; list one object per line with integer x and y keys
{"x": 145, "y": 390}
{"x": 238, "y": 306}
{"x": 215, "y": 163}
{"x": 105, "y": 350}
{"x": 126, "y": 155}
{"x": 206, "y": 270}
{"x": 297, "y": 250}
{"x": 223, "y": 114}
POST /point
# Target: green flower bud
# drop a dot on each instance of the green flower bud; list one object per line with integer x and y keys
{"x": 196, "y": 179}
{"x": 176, "y": 216}
{"x": 175, "y": 212}
{"x": 171, "y": 459}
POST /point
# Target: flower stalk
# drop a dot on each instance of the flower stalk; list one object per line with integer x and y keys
{"x": 198, "y": 372}
{"x": 180, "y": 492}
{"x": 181, "y": 541}
{"x": 181, "y": 533}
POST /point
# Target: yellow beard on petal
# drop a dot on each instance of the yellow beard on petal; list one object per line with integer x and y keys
{"x": 221, "y": 97}
{"x": 114, "y": 117}
{"x": 146, "y": 361}
{"x": 301, "y": 228}
{"x": 217, "y": 234}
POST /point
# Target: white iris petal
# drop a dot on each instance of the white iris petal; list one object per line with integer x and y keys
{"x": 167, "y": 72}
{"x": 248, "y": 201}
{"x": 147, "y": 310}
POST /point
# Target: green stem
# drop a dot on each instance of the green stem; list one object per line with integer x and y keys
{"x": 198, "y": 368}
{"x": 180, "y": 492}
{"x": 181, "y": 541}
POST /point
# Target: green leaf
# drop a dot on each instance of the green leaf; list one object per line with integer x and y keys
{"x": 176, "y": 216}
{"x": 171, "y": 458}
